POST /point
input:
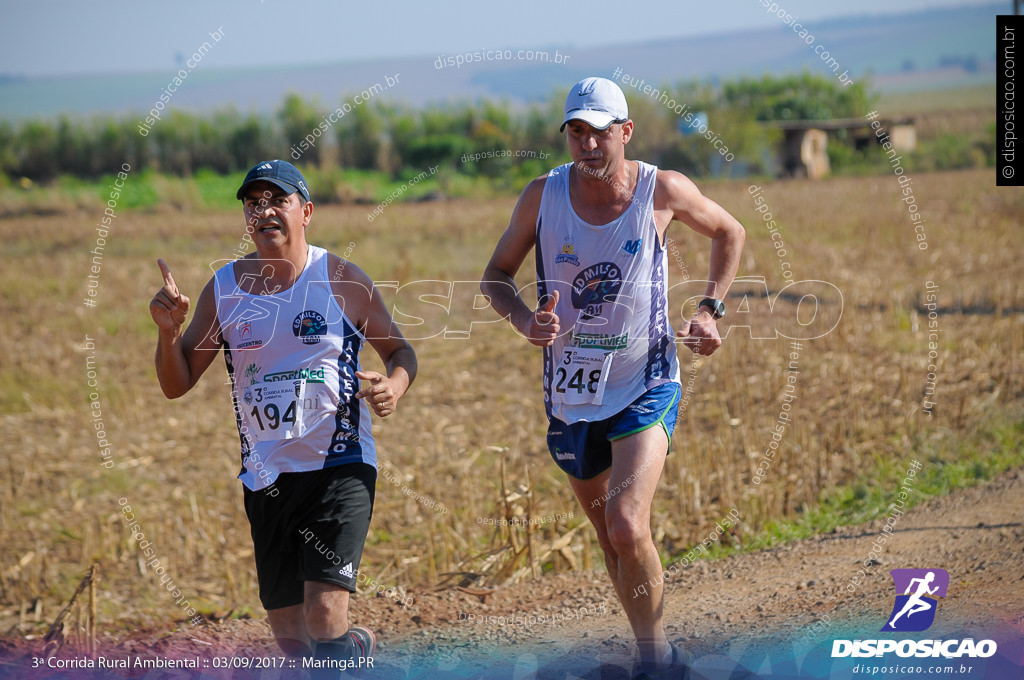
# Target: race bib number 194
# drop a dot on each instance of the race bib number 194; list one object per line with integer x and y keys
{"x": 274, "y": 410}
{"x": 581, "y": 375}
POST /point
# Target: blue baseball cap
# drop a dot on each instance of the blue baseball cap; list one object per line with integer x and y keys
{"x": 281, "y": 173}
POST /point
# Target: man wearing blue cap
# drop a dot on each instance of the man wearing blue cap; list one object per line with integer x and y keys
{"x": 611, "y": 376}
{"x": 291, "y": 319}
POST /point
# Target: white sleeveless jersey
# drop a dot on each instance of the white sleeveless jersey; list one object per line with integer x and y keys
{"x": 615, "y": 339}
{"x": 292, "y": 359}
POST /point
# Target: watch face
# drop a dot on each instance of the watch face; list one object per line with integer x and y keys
{"x": 717, "y": 307}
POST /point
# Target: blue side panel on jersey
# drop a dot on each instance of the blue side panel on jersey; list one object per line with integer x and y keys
{"x": 543, "y": 292}
{"x": 229, "y": 362}
{"x": 657, "y": 370}
{"x": 345, "y": 446}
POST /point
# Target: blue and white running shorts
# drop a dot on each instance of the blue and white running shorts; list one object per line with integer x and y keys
{"x": 584, "y": 449}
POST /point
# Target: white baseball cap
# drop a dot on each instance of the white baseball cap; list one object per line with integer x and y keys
{"x": 596, "y": 101}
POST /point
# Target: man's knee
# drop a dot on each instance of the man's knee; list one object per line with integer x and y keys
{"x": 627, "y": 536}
{"x": 326, "y": 618}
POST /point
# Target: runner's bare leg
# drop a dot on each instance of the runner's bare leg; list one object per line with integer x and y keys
{"x": 623, "y": 524}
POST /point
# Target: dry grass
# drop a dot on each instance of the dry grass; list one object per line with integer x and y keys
{"x": 476, "y": 406}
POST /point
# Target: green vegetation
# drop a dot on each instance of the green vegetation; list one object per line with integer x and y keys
{"x": 189, "y": 161}
{"x": 959, "y": 462}
{"x": 947, "y": 151}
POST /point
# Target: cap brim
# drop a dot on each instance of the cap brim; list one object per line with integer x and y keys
{"x": 290, "y": 188}
{"x": 599, "y": 120}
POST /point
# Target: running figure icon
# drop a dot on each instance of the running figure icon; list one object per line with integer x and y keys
{"x": 916, "y": 604}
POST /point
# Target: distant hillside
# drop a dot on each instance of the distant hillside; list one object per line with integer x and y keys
{"x": 908, "y": 52}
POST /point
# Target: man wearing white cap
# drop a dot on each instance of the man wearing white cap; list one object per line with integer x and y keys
{"x": 611, "y": 376}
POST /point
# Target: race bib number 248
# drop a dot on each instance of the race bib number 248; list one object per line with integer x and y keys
{"x": 581, "y": 375}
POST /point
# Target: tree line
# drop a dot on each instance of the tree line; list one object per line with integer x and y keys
{"x": 397, "y": 140}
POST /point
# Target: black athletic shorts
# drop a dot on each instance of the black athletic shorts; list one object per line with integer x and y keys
{"x": 312, "y": 530}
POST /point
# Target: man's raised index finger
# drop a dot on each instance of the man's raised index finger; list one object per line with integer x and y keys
{"x": 166, "y": 271}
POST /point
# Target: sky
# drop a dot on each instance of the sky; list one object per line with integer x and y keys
{"x": 52, "y": 38}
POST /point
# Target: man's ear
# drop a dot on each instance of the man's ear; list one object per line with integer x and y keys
{"x": 627, "y": 131}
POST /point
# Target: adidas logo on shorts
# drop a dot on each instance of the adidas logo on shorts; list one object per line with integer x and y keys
{"x": 346, "y": 571}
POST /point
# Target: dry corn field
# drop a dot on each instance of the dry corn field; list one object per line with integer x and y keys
{"x": 466, "y": 447}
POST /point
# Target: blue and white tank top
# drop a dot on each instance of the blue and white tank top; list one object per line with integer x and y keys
{"x": 292, "y": 359}
{"x": 615, "y": 339}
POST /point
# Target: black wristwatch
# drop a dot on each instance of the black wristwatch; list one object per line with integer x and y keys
{"x": 717, "y": 307}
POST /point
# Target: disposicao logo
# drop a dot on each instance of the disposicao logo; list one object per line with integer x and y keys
{"x": 914, "y": 611}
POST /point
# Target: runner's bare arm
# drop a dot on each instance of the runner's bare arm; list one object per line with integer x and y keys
{"x": 707, "y": 218}
{"x": 688, "y": 205}
{"x": 704, "y": 216}
{"x": 364, "y": 306}
{"x": 498, "y": 283}
{"x": 182, "y": 357}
